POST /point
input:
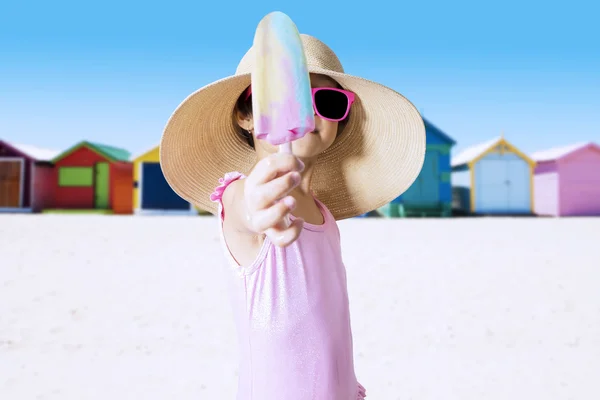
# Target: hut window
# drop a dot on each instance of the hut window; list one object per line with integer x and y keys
{"x": 75, "y": 176}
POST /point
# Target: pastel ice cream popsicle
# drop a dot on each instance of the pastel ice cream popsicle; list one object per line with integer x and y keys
{"x": 281, "y": 93}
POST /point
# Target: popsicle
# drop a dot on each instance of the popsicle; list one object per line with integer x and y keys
{"x": 281, "y": 93}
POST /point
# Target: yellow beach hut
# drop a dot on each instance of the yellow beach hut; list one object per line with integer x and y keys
{"x": 151, "y": 192}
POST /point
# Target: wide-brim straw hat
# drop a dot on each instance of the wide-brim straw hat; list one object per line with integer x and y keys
{"x": 375, "y": 159}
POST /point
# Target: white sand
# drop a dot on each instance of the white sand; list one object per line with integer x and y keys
{"x": 96, "y": 307}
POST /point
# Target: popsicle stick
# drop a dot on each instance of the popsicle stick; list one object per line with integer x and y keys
{"x": 286, "y": 148}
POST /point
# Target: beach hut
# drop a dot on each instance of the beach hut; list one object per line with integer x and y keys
{"x": 498, "y": 176}
{"x": 93, "y": 177}
{"x": 25, "y": 177}
{"x": 152, "y": 193}
{"x": 431, "y": 193}
{"x": 567, "y": 180}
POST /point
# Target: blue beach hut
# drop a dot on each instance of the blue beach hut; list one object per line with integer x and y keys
{"x": 431, "y": 193}
{"x": 493, "y": 178}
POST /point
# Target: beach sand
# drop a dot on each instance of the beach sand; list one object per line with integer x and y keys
{"x": 107, "y": 307}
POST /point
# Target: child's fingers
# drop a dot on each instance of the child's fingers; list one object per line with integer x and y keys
{"x": 263, "y": 196}
{"x": 273, "y": 216}
{"x": 285, "y": 237}
{"x": 270, "y": 167}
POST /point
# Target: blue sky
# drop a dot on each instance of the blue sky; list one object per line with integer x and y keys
{"x": 113, "y": 72}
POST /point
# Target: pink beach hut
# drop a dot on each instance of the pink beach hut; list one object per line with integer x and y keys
{"x": 567, "y": 180}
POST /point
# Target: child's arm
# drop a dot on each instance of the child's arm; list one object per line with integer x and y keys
{"x": 252, "y": 206}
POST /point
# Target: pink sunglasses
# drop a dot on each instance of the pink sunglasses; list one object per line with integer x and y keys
{"x": 332, "y": 104}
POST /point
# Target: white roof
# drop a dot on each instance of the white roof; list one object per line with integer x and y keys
{"x": 471, "y": 153}
{"x": 557, "y": 152}
{"x": 37, "y": 153}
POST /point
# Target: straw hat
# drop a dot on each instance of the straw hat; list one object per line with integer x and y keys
{"x": 374, "y": 160}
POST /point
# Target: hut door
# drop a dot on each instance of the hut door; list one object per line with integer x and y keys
{"x": 11, "y": 181}
{"x": 518, "y": 176}
{"x": 492, "y": 188}
{"x": 101, "y": 185}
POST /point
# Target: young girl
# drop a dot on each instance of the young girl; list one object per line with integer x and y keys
{"x": 288, "y": 282}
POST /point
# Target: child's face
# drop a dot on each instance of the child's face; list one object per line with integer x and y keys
{"x": 313, "y": 143}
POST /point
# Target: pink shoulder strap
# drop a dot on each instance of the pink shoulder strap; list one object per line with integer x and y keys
{"x": 217, "y": 195}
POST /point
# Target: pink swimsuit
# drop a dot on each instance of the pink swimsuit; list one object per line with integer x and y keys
{"x": 292, "y": 315}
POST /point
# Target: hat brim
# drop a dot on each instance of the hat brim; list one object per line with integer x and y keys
{"x": 374, "y": 160}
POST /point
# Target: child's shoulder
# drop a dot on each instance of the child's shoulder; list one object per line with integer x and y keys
{"x": 233, "y": 180}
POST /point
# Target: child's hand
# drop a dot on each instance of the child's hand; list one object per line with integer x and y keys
{"x": 266, "y": 197}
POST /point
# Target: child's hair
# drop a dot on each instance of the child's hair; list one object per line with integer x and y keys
{"x": 243, "y": 107}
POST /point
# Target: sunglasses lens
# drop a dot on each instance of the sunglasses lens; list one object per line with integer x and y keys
{"x": 331, "y": 103}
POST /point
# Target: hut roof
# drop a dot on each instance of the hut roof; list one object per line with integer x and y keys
{"x": 139, "y": 155}
{"x": 474, "y": 153}
{"x": 471, "y": 153}
{"x": 37, "y": 153}
{"x": 33, "y": 152}
{"x": 431, "y": 127}
{"x": 115, "y": 153}
{"x": 557, "y": 153}
{"x": 110, "y": 152}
